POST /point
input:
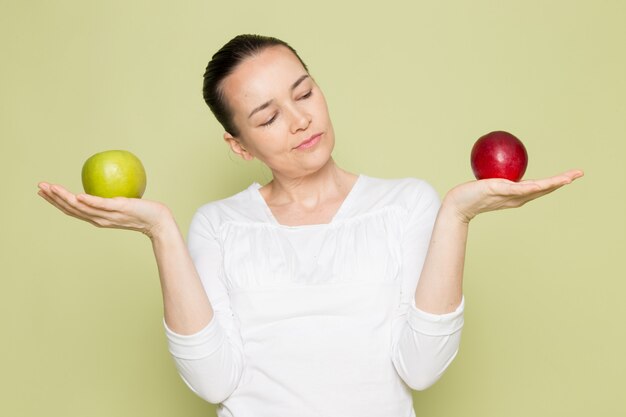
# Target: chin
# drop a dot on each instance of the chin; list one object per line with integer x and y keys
{"x": 320, "y": 162}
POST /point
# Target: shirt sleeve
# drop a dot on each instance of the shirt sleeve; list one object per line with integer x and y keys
{"x": 423, "y": 344}
{"x": 210, "y": 361}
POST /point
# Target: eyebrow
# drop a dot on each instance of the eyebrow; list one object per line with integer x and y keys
{"x": 267, "y": 103}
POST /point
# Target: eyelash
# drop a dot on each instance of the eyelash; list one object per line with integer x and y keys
{"x": 270, "y": 121}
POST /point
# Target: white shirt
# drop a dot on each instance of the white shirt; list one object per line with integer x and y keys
{"x": 316, "y": 320}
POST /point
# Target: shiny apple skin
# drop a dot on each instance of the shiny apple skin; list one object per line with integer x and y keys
{"x": 499, "y": 154}
{"x": 115, "y": 173}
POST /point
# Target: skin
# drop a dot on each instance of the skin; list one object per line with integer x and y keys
{"x": 307, "y": 188}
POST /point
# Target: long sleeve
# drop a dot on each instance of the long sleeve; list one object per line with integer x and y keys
{"x": 423, "y": 344}
{"x": 211, "y": 360}
{"x": 326, "y": 312}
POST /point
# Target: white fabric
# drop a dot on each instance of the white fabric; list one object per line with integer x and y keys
{"x": 316, "y": 320}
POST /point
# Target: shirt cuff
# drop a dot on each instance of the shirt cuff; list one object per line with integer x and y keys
{"x": 197, "y": 345}
{"x": 436, "y": 324}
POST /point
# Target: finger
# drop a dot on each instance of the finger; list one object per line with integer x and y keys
{"x": 94, "y": 220}
{"x": 85, "y": 200}
{"x": 44, "y": 186}
{"x": 510, "y": 189}
{"x": 106, "y": 204}
{"x": 574, "y": 174}
{"x": 60, "y": 191}
{"x": 534, "y": 187}
{"x": 63, "y": 198}
{"x": 542, "y": 189}
{"x": 564, "y": 178}
{"x": 547, "y": 186}
{"x": 52, "y": 201}
{"x": 52, "y": 197}
{"x": 512, "y": 194}
{"x": 68, "y": 202}
{"x": 62, "y": 204}
{"x": 89, "y": 204}
{"x": 517, "y": 202}
{"x": 59, "y": 204}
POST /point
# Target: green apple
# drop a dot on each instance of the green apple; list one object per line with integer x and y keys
{"x": 114, "y": 174}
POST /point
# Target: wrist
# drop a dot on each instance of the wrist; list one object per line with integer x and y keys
{"x": 164, "y": 226}
{"x": 452, "y": 212}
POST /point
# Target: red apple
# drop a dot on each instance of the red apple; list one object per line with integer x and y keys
{"x": 499, "y": 154}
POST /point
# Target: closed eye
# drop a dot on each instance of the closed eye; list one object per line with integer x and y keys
{"x": 270, "y": 121}
{"x": 303, "y": 97}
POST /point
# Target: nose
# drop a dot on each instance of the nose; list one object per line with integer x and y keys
{"x": 300, "y": 119}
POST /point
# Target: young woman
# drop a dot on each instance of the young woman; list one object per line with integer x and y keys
{"x": 321, "y": 293}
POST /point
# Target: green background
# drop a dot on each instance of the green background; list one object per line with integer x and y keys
{"x": 411, "y": 85}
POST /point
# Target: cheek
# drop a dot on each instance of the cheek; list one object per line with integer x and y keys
{"x": 269, "y": 143}
{"x": 320, "y": 104}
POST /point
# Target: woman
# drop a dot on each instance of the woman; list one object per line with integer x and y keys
{"x": 321, "y": 293}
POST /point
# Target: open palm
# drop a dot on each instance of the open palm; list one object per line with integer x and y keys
{"x": 118, "y": 212}
{"x": 475, "y": 197}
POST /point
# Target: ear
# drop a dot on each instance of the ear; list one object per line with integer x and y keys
{"x": 237, "y": 147}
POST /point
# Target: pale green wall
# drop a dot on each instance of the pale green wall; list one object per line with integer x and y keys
{"x": 410, "y": 85}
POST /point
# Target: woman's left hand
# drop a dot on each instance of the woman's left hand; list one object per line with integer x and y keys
{"x": 475, "y": 197}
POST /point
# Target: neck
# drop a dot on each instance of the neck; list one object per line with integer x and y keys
{"x": 309, "y": 190}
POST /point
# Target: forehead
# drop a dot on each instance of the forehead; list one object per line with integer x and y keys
{"x": 261, "y": 77}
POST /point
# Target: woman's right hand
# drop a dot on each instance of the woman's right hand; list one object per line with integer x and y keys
{"x": 137, "y": 214}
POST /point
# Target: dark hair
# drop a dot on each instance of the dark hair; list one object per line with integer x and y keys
{"x": 224, "y": 63}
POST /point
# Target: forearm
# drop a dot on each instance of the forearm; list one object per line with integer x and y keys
{"x": 440, "y": 287}
{"x": 186, "y": 307}
{"x": 201, "y": 337}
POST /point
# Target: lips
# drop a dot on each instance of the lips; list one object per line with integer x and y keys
{"x": 310, "y": 142}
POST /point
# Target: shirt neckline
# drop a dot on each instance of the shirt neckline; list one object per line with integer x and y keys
{"x": 345, "y": 204}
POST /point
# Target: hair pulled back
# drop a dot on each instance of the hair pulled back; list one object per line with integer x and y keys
{"x": 223, "y": 63}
